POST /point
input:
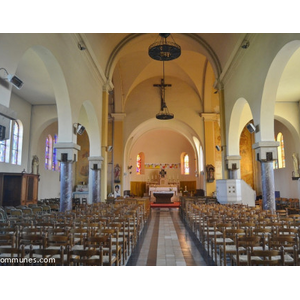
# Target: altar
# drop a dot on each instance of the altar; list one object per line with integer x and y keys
{"x": 164, "y": 190}
{"x": 163, "y": 197}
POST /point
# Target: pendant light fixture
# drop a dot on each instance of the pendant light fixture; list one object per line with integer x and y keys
{"x": 164, "y": 50}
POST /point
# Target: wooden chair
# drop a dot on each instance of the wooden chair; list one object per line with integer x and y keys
{"x": 46, "y": 256}
{"x": 255, "y": 242}
{"x": 219, "y": 238}
{"x": 116, "y": 247}
{"x": 12, "y": 256}
{"x": 56, "y": 241}
{"x": 85, "y": 257}
{"x": 123, "y": 238}
{"x": 105, "y": 242}
{"x": 8, "y": 240}
{"x": 228, "y": 248}
{"x": 285, "y": 243}
{"x": 265, "y": 257}
{"x": 35, "y": 241}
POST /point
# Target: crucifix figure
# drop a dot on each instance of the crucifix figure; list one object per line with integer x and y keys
{"x": 162, "y": 86}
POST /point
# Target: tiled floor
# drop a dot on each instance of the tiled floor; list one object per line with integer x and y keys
{"x": 166, "y": 241}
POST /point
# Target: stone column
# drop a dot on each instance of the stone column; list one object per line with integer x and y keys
{"x": 233, "y": 166}
{"x": 268, "y": 186}
{"x": 266, "y": 153}
{"x": 95, "y": 178}
{"x": 67, "y": 155}
{"x": 212, "y": 156}
{"x": 104, "y": 134}
{"x": 66, "y": 175}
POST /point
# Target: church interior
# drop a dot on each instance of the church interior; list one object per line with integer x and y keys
{"x": 150, "y": 149}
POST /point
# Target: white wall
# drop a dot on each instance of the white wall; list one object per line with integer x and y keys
{"x": 283, "y": 177}
{"x": 49, "y": 185}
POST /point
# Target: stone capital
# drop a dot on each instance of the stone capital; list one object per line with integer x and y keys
{"x": 266, "y": 150}
{"x": 67, "y": 151}
{"x": 118, "y": 116}
{"x": 210, "y": 116}
{"x": 233, "y": 162}
{"x": 95, "y": 162}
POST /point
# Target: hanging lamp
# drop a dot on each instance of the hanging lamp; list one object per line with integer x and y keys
{"x": 164, "y": 50}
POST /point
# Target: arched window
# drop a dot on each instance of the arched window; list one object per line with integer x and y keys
{"x": 11, "y": 148}
{"x": 15, "y": 147}
{"x": 55, "y": 162}
{"x": 138, "y": 164}
{"x": 4, "y": 151}
{"x": 185, "y": 163}
{"x": 281, "y": 151}
{"x": 48, "y": 153}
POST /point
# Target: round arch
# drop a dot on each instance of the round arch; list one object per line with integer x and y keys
{"x": 241, "y": 114}
{"x": 64, "y": 115}
{"x": 172, "y": 125}
{"x": 89, "y": 120}
{"x": 266, "y": 113}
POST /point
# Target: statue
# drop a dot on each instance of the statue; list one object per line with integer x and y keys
{"x": 35, "y": 165}
{"x": 296, "y": 165}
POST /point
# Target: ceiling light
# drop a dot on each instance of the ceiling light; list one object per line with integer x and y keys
{"x": 164, "y": 50}
{"x": 13, "y": 79}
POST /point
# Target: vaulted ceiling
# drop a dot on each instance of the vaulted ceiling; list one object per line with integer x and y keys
{"x": 124, "y": 59}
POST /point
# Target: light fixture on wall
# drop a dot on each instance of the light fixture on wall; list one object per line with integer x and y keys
{"x": 164, "y": 50}
{"x": 78, "y": 128}
{"x": 245, "y": 44}
{"x": 13, "y": 79}
{"x": 252, "y": 128}
{"x": 109, "y": 148}
{"x": 81, "y": 46}
{"x": 219, "y": 148}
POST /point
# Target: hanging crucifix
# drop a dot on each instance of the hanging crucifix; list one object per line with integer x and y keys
{"x": 162, "y": 86}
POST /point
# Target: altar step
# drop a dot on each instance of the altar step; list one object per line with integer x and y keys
{"x": 173, "y": 204}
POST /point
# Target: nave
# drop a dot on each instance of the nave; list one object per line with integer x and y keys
{"x": 166, "y": 241}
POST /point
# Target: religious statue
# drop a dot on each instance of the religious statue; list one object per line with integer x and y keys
{"x": 296, "y": 165}
{"x": 35, "y": 165}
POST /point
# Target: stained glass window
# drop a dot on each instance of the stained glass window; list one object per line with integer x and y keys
{"x": 186, "y": 164}
{"x": 48, "y": 153}
{"x": 15, "y": 144}
{"x": 55, "y": 163}
{"x": 138, "y": 164}
{"x": 281, "y": 151}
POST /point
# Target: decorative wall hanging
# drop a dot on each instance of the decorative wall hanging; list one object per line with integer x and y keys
{"x": 162, "y": 166}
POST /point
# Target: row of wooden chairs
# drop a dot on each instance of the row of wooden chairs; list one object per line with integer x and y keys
{"x": 216, "y": 226}
{"x": 74, "y": 228}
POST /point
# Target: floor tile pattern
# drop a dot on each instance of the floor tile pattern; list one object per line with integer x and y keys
{"x": 166, "y": 241}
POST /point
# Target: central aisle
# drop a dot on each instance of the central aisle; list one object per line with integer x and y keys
{"x": 166, "y": 242}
